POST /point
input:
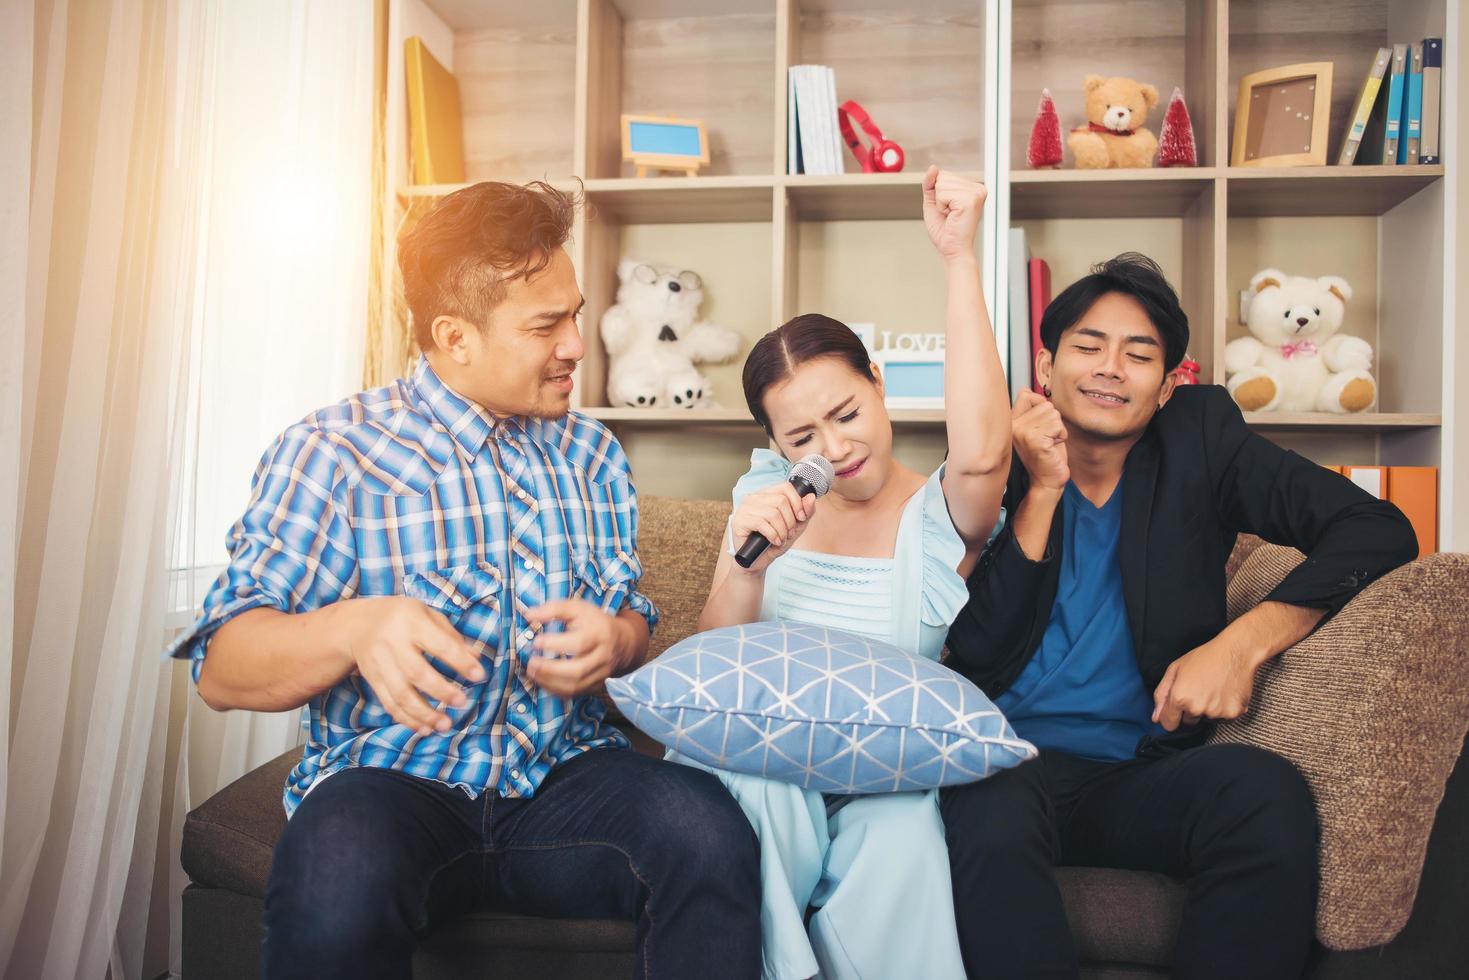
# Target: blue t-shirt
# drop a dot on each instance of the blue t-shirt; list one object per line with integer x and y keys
{"x": 1081, "y": 693}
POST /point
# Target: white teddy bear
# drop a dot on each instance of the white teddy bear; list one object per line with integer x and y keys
{"x": 654, "y": 337}
{"x": 1295, "y": 361}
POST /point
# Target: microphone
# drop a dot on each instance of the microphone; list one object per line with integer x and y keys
{"x": 813, "y": 474}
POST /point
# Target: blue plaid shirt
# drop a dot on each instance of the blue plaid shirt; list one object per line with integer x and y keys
{"x": 413, "y": 490}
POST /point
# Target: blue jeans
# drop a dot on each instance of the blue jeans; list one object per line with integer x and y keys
{"x": 374, "y": 859}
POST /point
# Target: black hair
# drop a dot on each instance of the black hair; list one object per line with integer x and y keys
{"x": 459, "y": 258}
{"x": 1131, "y": 274}
{"x": 798, "y": 340}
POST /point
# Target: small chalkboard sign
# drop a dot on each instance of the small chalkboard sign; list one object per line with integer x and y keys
{"x": 662, "y": 143}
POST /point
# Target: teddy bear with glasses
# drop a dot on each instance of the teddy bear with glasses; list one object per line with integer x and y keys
{"x": 654, "y": 339}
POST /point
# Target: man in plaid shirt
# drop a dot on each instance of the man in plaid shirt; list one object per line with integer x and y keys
{"x": 444, "y": 571}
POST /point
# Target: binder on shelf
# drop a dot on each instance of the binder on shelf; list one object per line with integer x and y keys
{"x": 793, "y": 137}
{"x": 1432, "y": 99}
{"x": 1414, "y": 489}
{"x": 1019, "y": 320}
{"x": 1373, "y": 479}
{"x": 1040, "y": 298}
{"x": 829, "y": 118}
{"x": 435, "y": 132}
{"x": 1412, "y": 108}
{"x": 1367, "y": 98}
{"x": 1397, "y": 84}
{"x": 813, "y": 94}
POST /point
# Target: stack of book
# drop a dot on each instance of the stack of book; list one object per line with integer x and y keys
{"x": 813, "y": 142}
{"x": 1414, "y": 489}
{"x": 1396, "y": 116}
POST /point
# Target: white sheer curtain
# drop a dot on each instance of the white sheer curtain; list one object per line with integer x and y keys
{"x": 283, "y": 292}
{"x": 97, "y": 294}
{"x": 184, "y": 229}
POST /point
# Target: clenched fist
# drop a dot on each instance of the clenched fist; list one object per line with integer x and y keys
{"x": 1040, "y": 440}
{"x": 952, "y": 206}
{"x": 779, "y": 512}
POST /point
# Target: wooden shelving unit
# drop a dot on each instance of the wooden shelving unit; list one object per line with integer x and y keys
{"x": 956, "y": 82}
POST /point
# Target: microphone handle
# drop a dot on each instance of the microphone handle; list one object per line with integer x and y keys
{"x": 756, "y": 543}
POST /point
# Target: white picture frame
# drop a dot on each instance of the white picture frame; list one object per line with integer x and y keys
{"x": 912, "y": 379}
{"x": 867, "y": 333}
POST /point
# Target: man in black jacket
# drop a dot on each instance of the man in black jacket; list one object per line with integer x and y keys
{"x": 1096, "y": 621}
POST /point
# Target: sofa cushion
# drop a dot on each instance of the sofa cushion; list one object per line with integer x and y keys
{"x": 229, "y": 838}
{"x": 1372, "y": 709}
{"x": 819, "y": 707}
{"x": 1116, "y": 916}
{"x": 678, "y": 542}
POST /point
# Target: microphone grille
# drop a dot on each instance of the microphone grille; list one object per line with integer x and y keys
{"x": 816, "y": 470}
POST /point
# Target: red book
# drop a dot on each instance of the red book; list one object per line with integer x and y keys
{"x": 1040, "y": 298}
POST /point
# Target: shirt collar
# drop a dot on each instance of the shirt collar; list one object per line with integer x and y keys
{"x": 471, "y": 424}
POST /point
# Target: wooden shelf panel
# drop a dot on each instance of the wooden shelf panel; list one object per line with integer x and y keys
{"x": 412, "y": 192}
{"x": 730, "y": 416}
{"x": 1366, "y": 421}
{"x": 681, "y": 200}
{"x": 667, "y": 416}
{"x": 1315, "y": 421}
{"x": 1154, "y": 193}
{"x": 1323, "y": 191}
{"x": 856, "y": 197}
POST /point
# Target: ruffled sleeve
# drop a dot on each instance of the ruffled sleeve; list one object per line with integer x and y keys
{"x": 944, "y": 591}
{"x": 766, "y": 468}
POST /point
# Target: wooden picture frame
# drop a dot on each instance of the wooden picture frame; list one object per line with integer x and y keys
{"x": 688, "y": 159}
{"x": 1282, "y": 117}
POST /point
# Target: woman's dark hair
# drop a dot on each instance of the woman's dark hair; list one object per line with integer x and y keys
{"x": 1134, "y": 275}
{"x": 458, "y": 259}
{"x": 793, "y": 343}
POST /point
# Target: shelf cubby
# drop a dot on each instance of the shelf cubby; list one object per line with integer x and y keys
{"x": 955, "y": 82}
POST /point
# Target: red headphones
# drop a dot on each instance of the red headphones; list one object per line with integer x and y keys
{"x": 885, "y": 156}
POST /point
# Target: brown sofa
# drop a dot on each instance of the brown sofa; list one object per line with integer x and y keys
{"x": 1372, "y": 708}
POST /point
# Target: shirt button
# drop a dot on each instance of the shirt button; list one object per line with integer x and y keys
{"x": 515, "y": 774}
{"x": 520, "y": 708}
{"x": 527, "y": 564}
{"x": 527, "y": 635}
{"x": 522, "y": 496}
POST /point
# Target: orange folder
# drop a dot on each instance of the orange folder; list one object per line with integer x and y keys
{"x": 1414, "y": 489}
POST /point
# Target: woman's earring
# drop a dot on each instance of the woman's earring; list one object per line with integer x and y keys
{"x": 1046, "y": 390}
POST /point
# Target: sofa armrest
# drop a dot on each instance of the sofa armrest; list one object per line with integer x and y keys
{"x": 1372, "y": 708}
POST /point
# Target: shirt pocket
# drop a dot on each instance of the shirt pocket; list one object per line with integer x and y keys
{"x": 469, "y": 595}
{"x": 605, "y": 578}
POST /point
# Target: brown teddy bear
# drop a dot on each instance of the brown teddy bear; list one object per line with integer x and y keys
{"x": 1116, "y": 109}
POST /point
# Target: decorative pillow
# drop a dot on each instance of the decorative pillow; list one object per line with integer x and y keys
{"x": 820, "y": 708}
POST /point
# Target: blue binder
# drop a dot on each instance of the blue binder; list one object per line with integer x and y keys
{"x": 1395, "y": 96}
{"x": 1412, "y": 108}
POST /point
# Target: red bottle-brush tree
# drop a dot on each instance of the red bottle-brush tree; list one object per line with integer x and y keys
{"x": 1176, "y": 144}
{"x": 1045, "y": 135}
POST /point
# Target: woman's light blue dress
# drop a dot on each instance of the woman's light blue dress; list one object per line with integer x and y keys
{"x": 875, "y": 869}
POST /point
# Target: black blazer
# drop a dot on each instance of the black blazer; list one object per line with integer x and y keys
{"x": 1196, "y": 479}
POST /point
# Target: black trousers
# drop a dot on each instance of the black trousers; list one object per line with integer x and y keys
{"x": 1236, "y": 822}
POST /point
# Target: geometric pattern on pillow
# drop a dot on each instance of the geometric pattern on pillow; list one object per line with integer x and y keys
{"x": 821, "y": 708}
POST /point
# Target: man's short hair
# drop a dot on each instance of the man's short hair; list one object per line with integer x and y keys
{"x": 1134, "y": 275}
{"x": 457, "y": 260}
